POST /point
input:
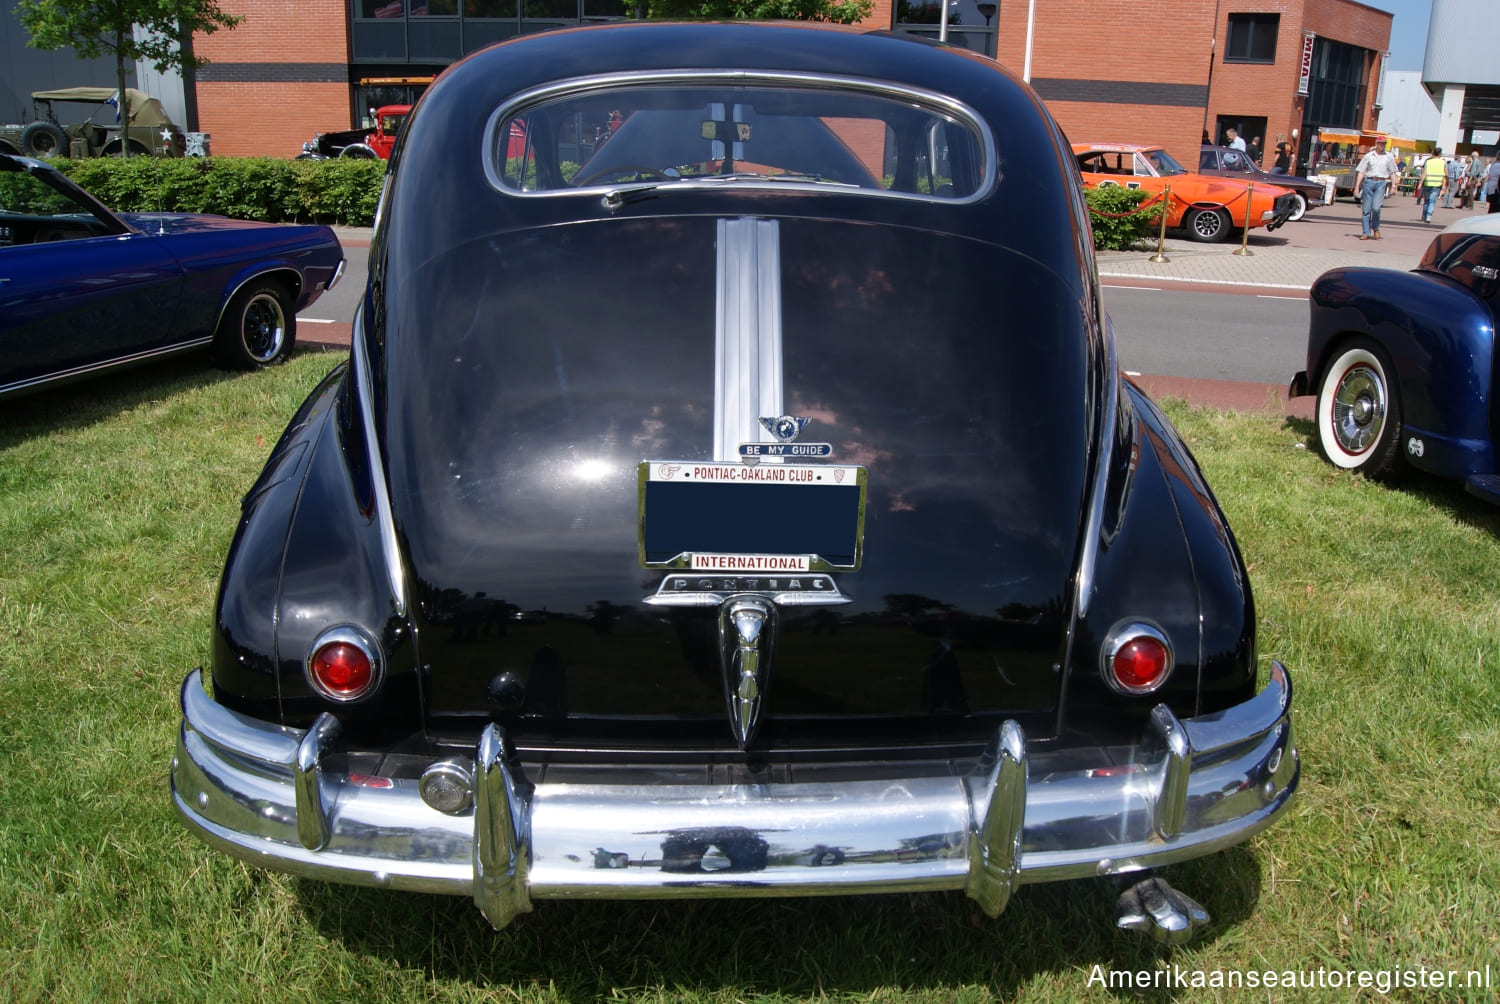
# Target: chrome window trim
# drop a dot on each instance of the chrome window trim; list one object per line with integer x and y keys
{"x": 939, "y": 103}
{"x": 364, "y": 386}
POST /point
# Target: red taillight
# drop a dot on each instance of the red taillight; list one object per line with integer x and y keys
{"x": 343, "y": 664}
{"x": 1137, "y": 659}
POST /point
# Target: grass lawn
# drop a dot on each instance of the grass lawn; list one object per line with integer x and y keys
{"x": 117, "y": 501}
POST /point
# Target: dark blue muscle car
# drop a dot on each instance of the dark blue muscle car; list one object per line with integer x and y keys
{"x": 1403, "y": 363}
{"x": 84, "y": 289}
{"x": 732, "y": 492}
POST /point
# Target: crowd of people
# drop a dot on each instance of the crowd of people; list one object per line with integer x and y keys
{"x": 1466, "y": 177}
{"x": 1471, "y": 179}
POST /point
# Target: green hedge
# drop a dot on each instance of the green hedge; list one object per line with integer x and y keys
{"x": 247, "y": 188}
{"x": 1119, "y": 222}
{"x": 346, "y": 192}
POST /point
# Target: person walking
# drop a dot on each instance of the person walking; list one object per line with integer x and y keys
{"x": 1372, "y": 180}
{"x": 1283, "y": 159}
{"x": 1434, "y": 181}
{"x": 1457, "y": 168}
{"x": 1492, "y": 185}
{"x": 1474, "y": 183}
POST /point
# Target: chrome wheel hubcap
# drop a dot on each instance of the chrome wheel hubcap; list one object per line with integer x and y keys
{"x": 1358, "y": 409}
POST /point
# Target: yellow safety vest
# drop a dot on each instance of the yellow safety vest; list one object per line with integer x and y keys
{"x": 1434, "y": 172}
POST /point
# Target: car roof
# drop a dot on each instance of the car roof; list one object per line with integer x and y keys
{"x": 1116, "y": 147}
{"x": 1484, "y": 224}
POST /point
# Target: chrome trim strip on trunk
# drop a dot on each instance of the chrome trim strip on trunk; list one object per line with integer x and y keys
{"x": 1094, "y": 522}
{"x": 747, "y": 335}
{"x": 1023, "y": 816}
{"x": 364, "y": 389}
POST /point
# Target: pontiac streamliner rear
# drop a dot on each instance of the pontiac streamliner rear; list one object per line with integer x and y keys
{"x": 732, "y": 492}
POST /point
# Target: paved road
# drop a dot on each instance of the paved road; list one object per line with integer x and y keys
{"x": 1210, "y": 325}
{"x": 1259, "y": 338}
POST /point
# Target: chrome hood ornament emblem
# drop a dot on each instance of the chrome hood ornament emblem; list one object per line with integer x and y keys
{"x": 785, "y": 428}
{"x": 747, "y": 635}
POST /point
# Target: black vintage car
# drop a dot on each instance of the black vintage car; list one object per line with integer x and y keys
{"x": 753, "y": 507}
{"x": 1228, "y": 162}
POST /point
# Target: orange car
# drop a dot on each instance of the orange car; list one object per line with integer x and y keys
{"x": 1209, "y": 209}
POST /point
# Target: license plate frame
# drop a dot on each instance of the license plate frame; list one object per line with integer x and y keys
{"x": 751, "y": 518}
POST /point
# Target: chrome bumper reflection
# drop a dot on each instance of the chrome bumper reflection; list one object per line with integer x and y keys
{"x": 265, "y": 794}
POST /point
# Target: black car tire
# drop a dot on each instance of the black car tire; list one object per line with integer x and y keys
{"x": 1301, "y": 209}
{"x": 1208, "y": 226}
{"x": 1359, "y": 410}
{"x": 258, "y": 329}
{"x": 43, "y": 139}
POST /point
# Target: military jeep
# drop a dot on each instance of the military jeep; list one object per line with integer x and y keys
{"x": 152, "y": 132}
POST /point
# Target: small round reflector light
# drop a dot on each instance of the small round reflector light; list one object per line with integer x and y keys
{"x": 1137, "y": 658}
{"x": 343, "y": 664}
{"x": 447, "y": 787}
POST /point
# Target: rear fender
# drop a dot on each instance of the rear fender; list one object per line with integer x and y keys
{"x": 1440, "y": 339}
{"x": 309, "y": 521}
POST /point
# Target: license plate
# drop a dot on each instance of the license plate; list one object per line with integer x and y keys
{"x": 744, "y": 518}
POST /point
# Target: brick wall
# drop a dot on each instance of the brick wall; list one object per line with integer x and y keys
{"x": 278, "y": 79}
{"x": 1257, "y": 90}
{"x": 269, "y": 119}
{"x": 1089, "y": 62}
{"x": 1108, "y": 69}
{"x": 1355, "y": 24}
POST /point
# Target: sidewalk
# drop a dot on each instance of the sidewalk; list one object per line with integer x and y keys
{"x": 1292, "y": 257}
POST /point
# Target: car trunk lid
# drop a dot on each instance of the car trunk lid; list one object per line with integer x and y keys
{"x": 532, "y": 376}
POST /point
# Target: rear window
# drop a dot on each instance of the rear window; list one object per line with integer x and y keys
{"x": 841, "y": 135}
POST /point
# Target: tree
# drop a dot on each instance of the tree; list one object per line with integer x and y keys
{"x": 837, "y": 11}
{"x": 98, "y": 27}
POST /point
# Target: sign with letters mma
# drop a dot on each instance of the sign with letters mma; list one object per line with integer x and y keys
{"x": 1308, "y": 38}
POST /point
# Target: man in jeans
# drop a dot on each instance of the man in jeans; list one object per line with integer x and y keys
{"x": 1372, "y": 179}
{"x": 1434, "y": 180}
{"x": 1457, "y": 168}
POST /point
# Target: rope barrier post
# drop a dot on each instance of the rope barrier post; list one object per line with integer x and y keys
{"x": 1161, "y": 237}
{"x": 1244, "y": 248}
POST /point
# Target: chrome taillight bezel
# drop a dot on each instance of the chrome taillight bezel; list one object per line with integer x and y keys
{"x": 1122, "y": 635}
{"x": 357, "y": 637}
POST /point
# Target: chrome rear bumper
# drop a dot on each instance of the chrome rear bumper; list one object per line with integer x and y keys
{"x": 263, "y": 793}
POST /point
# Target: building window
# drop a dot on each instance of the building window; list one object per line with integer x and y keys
{"x": 1252, "y": 38}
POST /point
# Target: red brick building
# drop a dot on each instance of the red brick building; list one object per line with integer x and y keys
{"x": 1166, "y": 72}
{"x": 278, "y": 79}
{"x": 1173, "y": 71}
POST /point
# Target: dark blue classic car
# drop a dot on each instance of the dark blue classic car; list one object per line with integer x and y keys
{"x": 732, "y": 492}
{"x": 1403, "y": 363}
{"x": 83, "y": 289}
